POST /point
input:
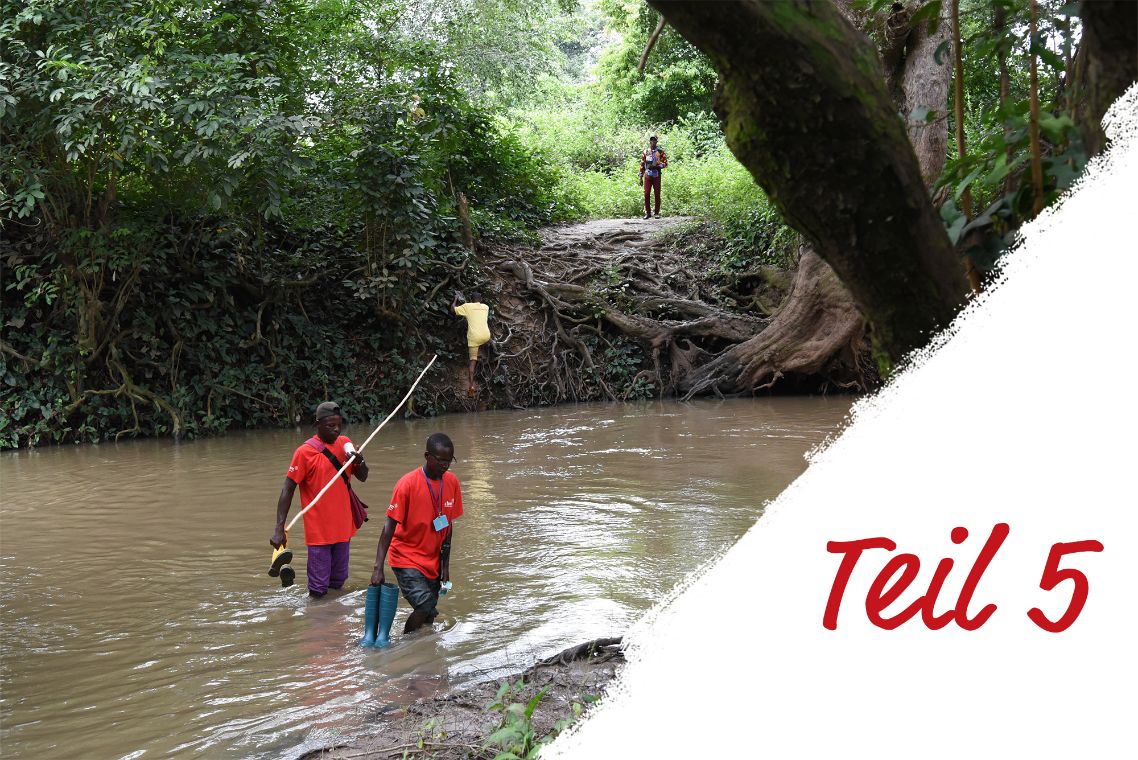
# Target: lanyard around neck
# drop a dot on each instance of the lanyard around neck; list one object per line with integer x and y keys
{"x": 435, "y": 500}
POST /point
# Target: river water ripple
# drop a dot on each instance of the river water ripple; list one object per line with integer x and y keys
{"x": 138, "y": 620}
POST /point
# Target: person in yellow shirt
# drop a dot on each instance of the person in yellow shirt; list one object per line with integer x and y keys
{"x": 477, "y": 327}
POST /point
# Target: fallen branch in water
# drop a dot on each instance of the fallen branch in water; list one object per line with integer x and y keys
{"x": 597, "y": 650}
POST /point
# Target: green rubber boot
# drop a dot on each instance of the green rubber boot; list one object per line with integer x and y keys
{"x": 388, "y": 602}
{"x": 371, "y": 616}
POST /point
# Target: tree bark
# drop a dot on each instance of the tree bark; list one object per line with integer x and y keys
{"x": 812, "y": 343}
{"x": 918, "y": 81}
{"x": 1105, "y": 65}
{"x": 799, "y": 87}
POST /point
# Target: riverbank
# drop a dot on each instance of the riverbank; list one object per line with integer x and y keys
{"x": 607, "y": 310}
{"x": 475, "y": 721}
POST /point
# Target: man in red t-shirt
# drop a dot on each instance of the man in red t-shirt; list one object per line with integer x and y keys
{"x": 328, "y": 526}
{"x": 417, "y": 536}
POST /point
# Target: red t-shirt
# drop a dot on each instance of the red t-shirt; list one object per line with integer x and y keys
{"x": 416, "y": 543}
{"x": 330, "y": 521}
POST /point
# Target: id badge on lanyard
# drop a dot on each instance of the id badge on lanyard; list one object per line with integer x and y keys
{"x": 440, "y": 522}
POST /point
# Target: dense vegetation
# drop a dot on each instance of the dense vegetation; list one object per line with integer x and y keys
{"x": 216, "y": 212}
{"x": 219, "y": 212}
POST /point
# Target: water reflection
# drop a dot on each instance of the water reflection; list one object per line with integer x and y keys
{"x": 138, "y": 615}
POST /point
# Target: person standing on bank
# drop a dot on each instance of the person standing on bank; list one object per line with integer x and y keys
{"x": 330, "y": 525}
{"x": 477, "y": 328}
{"x": 652, "y": 164}
{"x": 417, "y": 536}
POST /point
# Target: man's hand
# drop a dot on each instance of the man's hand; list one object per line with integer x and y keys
{"x": 444, "y": 576}
{"x": 377, "y": 576}
{"x": 359, "y": 466}
{"x": 278, "y": 537}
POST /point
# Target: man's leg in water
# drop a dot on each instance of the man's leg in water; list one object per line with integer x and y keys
{"x": 415, "y": 621}
{"x": 420, "y": 593}
{"x": 319, "y": 569}
{"x": 339, "y": 555}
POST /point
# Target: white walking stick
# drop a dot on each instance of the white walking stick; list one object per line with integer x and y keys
{"x": 353, "y": 452}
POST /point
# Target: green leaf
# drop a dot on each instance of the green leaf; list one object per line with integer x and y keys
{"x": 1000, "y": 170}
{"x": 940, "y": 51}
{"x": 956, "y": 228}
{"x": 504, "y": 735}
{"x": 931, "y": 11}
{"x": 1053, "y": 59}
{"x": 1055, "y": 128}
{"x": 535, "y": 701}
{"x": 967, "y": 182}
{"x": 1063, "y": 174}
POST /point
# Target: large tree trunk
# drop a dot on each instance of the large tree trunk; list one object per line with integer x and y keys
{"x": 799, "y": 87}
{"x": 919, "y": 82}
{"x": 813, "y": 342}
{"x": 1105, "y": 66}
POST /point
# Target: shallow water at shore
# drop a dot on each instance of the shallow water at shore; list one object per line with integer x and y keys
{"x": 138, "y": 620}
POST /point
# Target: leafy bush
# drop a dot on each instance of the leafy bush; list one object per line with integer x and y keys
{"x": 211, "y": 221}
{"x": 515, "y": 737}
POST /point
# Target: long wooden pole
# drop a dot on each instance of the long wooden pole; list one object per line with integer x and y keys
{"x": 352, "y": 458}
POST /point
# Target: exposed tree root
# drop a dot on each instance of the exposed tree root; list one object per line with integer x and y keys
{"x": 815, "y": 339}
{"x": 611, "y": 309}
{"x": 597, "y": 650}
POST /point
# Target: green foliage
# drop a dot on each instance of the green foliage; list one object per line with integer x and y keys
{"x": 678, "y": 78}
{"x": 619, "y": 362}
{"x": 495, "y": 47}
{"x": 995, "y": 171}
{"x": 995, "y": 167}
{"x": 429, "y": 733}
{"x": 216, "y": 214}
{"x": 515, "y": 737}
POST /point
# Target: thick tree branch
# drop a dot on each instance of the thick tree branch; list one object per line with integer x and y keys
{"x": 799, "y": 88}
{"x": 651, "y": 43}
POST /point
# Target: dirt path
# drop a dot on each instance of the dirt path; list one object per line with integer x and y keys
{"x": 585, "y": 234}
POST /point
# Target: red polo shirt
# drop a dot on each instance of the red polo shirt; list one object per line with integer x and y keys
{"x": 330, "y": 521}
{"x": 416, "y": 543}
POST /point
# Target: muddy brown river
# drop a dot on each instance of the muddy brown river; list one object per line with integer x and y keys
{"x": 138, "y": 620}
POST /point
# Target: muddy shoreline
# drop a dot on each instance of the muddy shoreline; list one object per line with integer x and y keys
{"x": 458, "y": 723}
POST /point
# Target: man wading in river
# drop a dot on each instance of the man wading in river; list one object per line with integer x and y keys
{"x": 417, "y": 536}
{"x": 330, "y": 525}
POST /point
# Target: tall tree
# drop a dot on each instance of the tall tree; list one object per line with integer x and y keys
{"x": 1106, "y": 64}
{"x": 801, "y": 88}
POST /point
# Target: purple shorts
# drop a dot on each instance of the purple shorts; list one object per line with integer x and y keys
{"x": 327, "y": 567}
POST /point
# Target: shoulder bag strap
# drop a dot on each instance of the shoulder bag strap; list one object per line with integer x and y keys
{"x": 336, "y": 463}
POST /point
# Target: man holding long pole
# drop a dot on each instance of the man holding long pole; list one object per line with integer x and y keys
{"x": 329, "y": 524}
